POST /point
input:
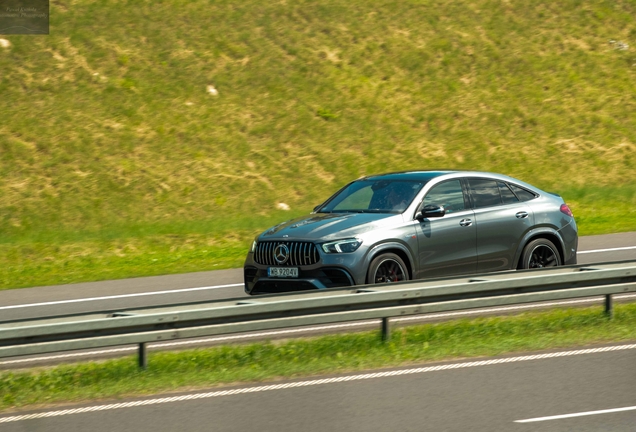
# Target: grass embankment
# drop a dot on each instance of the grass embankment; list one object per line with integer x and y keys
{"x": 116, "y": 160}
{"x": 328, "y": 354}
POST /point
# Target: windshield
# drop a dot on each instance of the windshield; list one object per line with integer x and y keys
{"x": 373, "y": 196}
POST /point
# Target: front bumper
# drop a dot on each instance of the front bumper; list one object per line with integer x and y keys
{"x": 257, "y": 281}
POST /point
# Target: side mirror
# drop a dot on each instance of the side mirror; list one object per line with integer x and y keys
{"x": 430, "y": 211}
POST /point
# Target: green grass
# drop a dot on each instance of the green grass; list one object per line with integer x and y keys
{"x": 127, "y": 251}
{"x": 109, "y": 137}
{"x": 268, "y": 361}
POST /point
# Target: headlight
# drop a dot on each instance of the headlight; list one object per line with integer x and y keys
{"x": 253, "y": 246}
{"x": 342, "y": 246}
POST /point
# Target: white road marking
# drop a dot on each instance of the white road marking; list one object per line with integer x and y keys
{"x": 80, "y": 300}
{"x": 284, "y": 386}
{"x": 307, "y": 330}
{"x": 581, "y": 414}
{"x": 606, "y": 250}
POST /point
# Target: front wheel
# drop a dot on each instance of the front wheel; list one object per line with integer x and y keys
{"x": 540, "y": 253}
{"x": 387, "y": 268}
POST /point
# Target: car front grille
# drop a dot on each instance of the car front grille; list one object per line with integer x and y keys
{"x": 299, "y": 253}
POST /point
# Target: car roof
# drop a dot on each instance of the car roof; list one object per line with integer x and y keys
{"x": 427, "y": 175}
{"x": 408, "y": 175}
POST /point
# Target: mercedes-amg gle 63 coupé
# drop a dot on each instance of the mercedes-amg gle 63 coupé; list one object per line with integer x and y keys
{"x": 410, "y": 225}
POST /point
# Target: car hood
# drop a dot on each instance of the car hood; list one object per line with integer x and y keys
{"x": 327, "y": 226}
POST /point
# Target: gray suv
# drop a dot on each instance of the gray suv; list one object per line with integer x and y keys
{"x": 410, "y": 225}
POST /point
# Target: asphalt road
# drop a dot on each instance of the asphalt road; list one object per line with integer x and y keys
{"x": 587, "y": 391}
{"x": 205, "y": 286}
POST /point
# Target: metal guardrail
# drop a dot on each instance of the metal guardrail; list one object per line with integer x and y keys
{"x": 141, "y": 326}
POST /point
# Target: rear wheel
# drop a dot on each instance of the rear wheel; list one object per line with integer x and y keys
{"x": 540, "y": 253}
{"x": 387, "y": 268}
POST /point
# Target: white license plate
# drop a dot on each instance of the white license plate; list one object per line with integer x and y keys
{"x": 282, "y": 272}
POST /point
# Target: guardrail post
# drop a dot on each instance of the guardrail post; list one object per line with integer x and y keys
{"x": 609, "y": 306}
{"x": 143, "y": 358}
{"x": 386, "y": 329}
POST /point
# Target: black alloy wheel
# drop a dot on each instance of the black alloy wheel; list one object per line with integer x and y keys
{"x": 540, "y": 253}
{"x": 387, "y": 268}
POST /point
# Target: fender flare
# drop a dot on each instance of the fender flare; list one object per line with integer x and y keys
{"x": 539, "y": 232}
{"x": 379, "y": 248}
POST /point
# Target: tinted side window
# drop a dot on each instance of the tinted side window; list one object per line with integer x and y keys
{"x": 448, "y": 194}
{"x": 485, "y": 193}
{"x": 506, "y": 194}
{"x": 524, "y": 195}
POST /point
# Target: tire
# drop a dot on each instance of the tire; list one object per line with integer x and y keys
{"x": 387, "y": 268}
{"x": 540, "y": 253}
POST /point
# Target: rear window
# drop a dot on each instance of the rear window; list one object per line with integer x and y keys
{"x": 485, "y": 193}
{"x": 506, "y": 194}
{"x": 523, "y": 194}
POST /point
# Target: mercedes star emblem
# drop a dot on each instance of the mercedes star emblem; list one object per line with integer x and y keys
{"x": 281, "y": 254}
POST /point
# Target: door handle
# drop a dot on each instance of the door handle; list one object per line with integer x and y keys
{"x": 522, "y": 215}
{"x": 466, "y": 222}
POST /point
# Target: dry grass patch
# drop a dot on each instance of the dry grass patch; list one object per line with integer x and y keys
{"x": 114, "y": 125}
